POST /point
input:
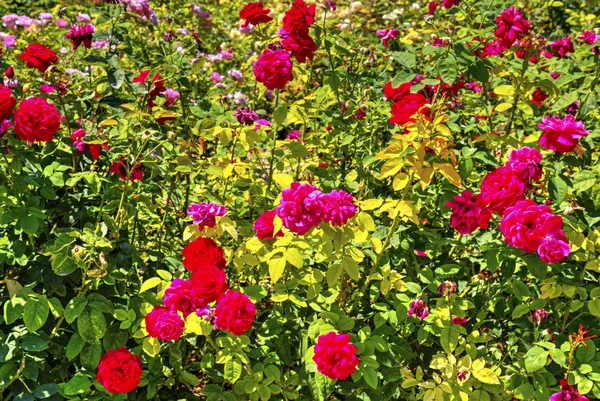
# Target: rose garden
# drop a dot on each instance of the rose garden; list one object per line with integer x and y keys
{"x": 299, "y": 200}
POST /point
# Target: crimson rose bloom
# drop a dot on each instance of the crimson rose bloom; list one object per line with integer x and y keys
{"x": 254, "y": 13}
{"x": 264, "y": 226}
{"x": 502, "y": 188}
{"x": 203, "y": 253}
{"x": 553, "y": 250}
{"x": 335, "y": 356}
{"x": 527, "y": 225}
{"x": 525, "y": 163}
{"x": 119, "y": 371}
{"x": 299, "y": 18}
{"x": 38, "y": 56}
{"x": 338, "y": 207}
{"x": 36, "y": 120}
{"x": 208, "y": 284}
{"x": 274, "y": 69}
{"x": 301, "y": 207}
{"x": 234, "y": 313}
{"x": 538, "y": 97}
{"x": 561, "y": 135}
{"x": 7, "y": 102}
{"x": 512, "y": 26}
{"x": 396, "y": 94}
{"x": 164, "y": 324}
{"x": 180, "y": 297}
{"x": 301, "y": 47}
{"x": 468, "y": 213}
{"x": 404, "y": 110}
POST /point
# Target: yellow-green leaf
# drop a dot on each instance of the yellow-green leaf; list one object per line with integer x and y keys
{"x": 276, "y": 269}
{"x": 150, "y": 283}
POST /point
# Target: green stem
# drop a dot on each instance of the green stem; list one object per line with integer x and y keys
{"x": 272, "y": 161}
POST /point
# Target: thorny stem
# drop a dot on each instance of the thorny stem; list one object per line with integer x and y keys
{"x": 272, "y": 161}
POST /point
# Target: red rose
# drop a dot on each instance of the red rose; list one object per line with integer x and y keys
{"x": 538, "y": 97}
{"x": 301, "y": 47}
{"x": 299, "y": 18}
{"x": 203, "y": 253}
{"x": 36, "y": 120}
{"x": 234, "y": 313}
{"x": 396, "y": 94}
{"x": 335, "y": 356}
{"x": 119, "y": 371}
{"x": 264, "y": 226}
{"x": 254, "y": 13}
{"x": 7, "y": 102}
{"x": 208, "y": 284}
{"x": 164, "y": 324}
{"x": 404, "y": 110}
{"x": 38, "y": 56}
{"x": 501, "y": 188}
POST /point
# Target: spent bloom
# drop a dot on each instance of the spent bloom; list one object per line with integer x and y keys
{"x": 539, "y": 315}
{"x": 126, "y": 171}
{"x": 447, "y": 288}
{"x": 204, "y": 214}
{"x": 387, "y": 34}
{"x": 525, "y": 163}
{"x": 245, "y": 116}
{"x": 561, "y": 135}
{"x": 335, "y": 356}
{"x": 418, "y": 309}
{"x": 81, "y": 34}
{"x": 468, "y": 213}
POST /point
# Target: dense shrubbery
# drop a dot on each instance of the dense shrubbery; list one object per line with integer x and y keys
{"x": 354, "y": 201}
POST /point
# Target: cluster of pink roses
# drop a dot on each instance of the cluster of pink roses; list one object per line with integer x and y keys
{"x": 303, "y": 206}
{"x": 234, "y": 312}
{"x": 274, "y": 66}
{"x": 525, "y": 224}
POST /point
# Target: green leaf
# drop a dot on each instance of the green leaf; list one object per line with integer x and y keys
{"x": 150, "y": 283}
{"x": 585, "y": 353}
{"x": 74, "y": 308}
{"x": 351, "y": 267}
{"x": 116, "y": 78}
{"x": 294, "y": 257}
{"x": 45, "y": 390}
{"x": 12, "y": 310}
{"x": 334, "y": 273}
{"x": 448, "y": 69}
{"x": 520, "y": 310}
{"x": 525, "y": 392}
{"x": 520, "y": 289}
{"x": 558, "y": 189}
{"x": 30, "y": 224}
{"x": 77, "y": 385}
{"x": 35, "y": 313}
{"x": 74, "y": 346}
{"x": 565, "y": 101}
{"x": 7, "y": 372}
{"x": 33, "y": 343}
{"x": 479, "y": 71}
{"x": 62, "y": 263}
{"x": 90, "y": 356}
{"x": 486, "y": 376}
{"x": 536, "y": 266}
{"x": 535, "y": 359}
{"x": 402, "y": 77}
{"x": 280, "y": 114}
{"x": 449, "y": 339}
{"x": 188, "y": 378}
{"x": 404, "y": 58}
{"x": 91, "y": 325}
{"x": 276, "y": 269}
{"x": 232, "y": 370}
{"x": 558, "y": 356}
{"x": 370, "y": 375}
{"x": 320, "y": 386}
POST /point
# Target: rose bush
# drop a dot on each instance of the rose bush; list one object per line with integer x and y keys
{"x": 299, "y": 200}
